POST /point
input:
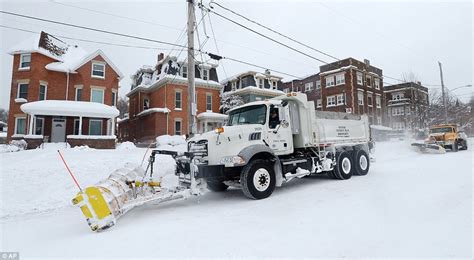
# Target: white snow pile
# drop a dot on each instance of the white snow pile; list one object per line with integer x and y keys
{"x": 171, "y": 142}
{"x": 125, "y": 146}
{"x": 13, "y": 146}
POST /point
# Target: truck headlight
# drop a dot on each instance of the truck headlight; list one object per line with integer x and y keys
{"x": 232, "y": 160}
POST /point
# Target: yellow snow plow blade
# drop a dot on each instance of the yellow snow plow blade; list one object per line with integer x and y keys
{"x": 95, "y": 208}
{"x": 429, "y": 148}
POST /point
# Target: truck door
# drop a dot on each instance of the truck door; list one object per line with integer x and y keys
{"x": 279, "y": 136}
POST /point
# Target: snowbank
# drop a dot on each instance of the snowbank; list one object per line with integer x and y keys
{"x": 126, "y": 146}
{"x": 14, "y": 146}
{"x": 172, "y": 140}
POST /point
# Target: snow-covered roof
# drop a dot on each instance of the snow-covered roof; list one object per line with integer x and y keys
{"x": 3, "y": 123}
{"x": 257, "y": 90}
{"x": 211, "y": 115}
{"x": 69, "y": 108}
{"x": 154, "y": 110}
{"x": 69, "y": 57}
{"x": 251, "y": 72}
{"x": 338, "y": 70}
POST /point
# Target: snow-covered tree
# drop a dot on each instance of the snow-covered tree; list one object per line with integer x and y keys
{"x": 229, "y": 101}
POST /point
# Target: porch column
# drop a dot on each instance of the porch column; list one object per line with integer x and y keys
{"x": 30, "y": 132}
{"x": 113, "y": 125}
{"x": 80, "y": 126}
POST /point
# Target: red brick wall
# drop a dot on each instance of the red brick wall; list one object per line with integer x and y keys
{"x": 56, "y": 85}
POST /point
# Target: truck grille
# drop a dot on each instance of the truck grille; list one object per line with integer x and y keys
{"x": 198, "y": 148}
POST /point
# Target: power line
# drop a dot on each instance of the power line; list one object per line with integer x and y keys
{"x": 84, "y": 40}
{"x": 91, "y": 29}
{"x": 272, "y": 30}
{"x": 115, "y": 15}
{"x": 263, "y": 35}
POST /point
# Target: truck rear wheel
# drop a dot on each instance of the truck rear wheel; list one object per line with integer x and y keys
{"x": 258, "y": 179}
{"x": 216, "y": 186}
{"x": 361, "y": 162}
{"x": 455, "y": 146}
{"x": 344, "y": 166}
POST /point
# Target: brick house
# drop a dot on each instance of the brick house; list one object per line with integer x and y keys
{"x": 61, "y": 93}
{"x": 407, "y": 105}
{"x": 310, "y": 85}
{"x": 253, "y": 86}
{"x": 348, "y": 85}
{"x": 159, "y": 96}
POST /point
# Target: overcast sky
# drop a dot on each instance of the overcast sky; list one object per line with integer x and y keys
{"x": 396, "y": 36}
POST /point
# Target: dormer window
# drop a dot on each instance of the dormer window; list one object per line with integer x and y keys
{"x": 260, "y": 83}
{"x": 205, "y": 74}
{"x": 184, "y": 71}
{"x": 233, "y": 85}
{"x": 25, "y": 60}
{"x": 274, "y": 84}
{"x": 98, "y": 70}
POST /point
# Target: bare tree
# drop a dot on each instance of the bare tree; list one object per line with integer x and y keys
{"x": 3, "y": 115}
{"x": 122, "y": 106}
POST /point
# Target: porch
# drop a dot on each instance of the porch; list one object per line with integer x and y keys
{"x": 75, "y": 122}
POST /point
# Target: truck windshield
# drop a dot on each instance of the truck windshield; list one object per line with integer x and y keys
{"x": 248, "y": 115}
{"x": 441, "y": 130}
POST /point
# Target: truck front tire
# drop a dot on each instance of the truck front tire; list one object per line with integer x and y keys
{"x": 258, "y": 179}
{"x": 344, "y": 166}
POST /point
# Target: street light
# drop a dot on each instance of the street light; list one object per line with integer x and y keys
{"x": 466, "y": 86}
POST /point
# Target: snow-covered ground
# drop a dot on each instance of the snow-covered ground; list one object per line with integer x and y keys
{"x": 410, "y": 204}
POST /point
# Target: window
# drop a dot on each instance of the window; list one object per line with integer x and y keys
{"x": 397, "y": 111}
{"x": 274, "y": 84}
{"x": 177, "y": 100}
{"x": 146, "y": 103}
{"x": 98, "y": 70}
{"x": 184, "y": 71}
{"x": 369, "y": 100}
{"x": 20, "y": 125}
{"x": 379, "y": 120}
{"x": 97, "y": 95}
{"x": 233, "y": 85}
{"x": 114, "y": 98}
{"x": 42, "y": 92}
{"x": 177, "y": 127}
{"x": 95, "y": 127}
{"x": 260, "y": 83}
{"x": 78, "y": 94}
{"x": 76, "y": 127}
{"x": 360, "y": 98}
{"x": 340, "y": 79}
{"x": 25, "y": 61}
{"x": 318, "y": 84}
{"x": 209, "y": 102}
{"x": 377, "y": 83}
{"x": 308, "y": 86}
{"x": 286, "y": 90}
{"x": 205, "y": 74}
{"x": 39, "y": 126}
{"x": 319, "y": 103}
{"x": 397, "y": 96}
{"x": 340, "y": 99}
{"x": 377, "y": 101}
{"x": 330, "y": 81}
{"x": 368, "y": 79}
{"x": 359, "y": 78}
{"x": 22, "y": 91}
{"x": 331, "y": 101}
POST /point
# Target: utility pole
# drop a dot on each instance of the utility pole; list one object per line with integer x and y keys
{"x": 444, "y": 96}
{"x": 191, "y": 95}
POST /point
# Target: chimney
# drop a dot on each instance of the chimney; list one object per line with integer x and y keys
{"x": 160, "y": 56}
{"x": 418, "y": 82}
{"x": 367, "y": 62}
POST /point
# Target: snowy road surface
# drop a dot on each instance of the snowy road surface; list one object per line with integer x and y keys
{"x": 410, "y": 204}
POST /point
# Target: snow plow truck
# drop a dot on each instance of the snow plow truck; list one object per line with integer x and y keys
{"x": 442, "y": 137}
{"x": 263, "y": 145}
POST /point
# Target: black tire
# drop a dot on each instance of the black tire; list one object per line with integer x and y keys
{"x": 344, "y": 166}
{"x": 464, "y": 145}
{"x": 264, "y": 183}
{"x": 455, "y": 146}
{"x": 216, "y": 186}
{"x": 361, "y": 162}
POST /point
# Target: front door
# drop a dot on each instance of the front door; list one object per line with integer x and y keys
{"x": 58, "y": 130}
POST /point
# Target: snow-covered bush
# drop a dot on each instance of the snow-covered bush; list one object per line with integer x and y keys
{"x": 13, "y": 146}
{"x": 126, "y": 146}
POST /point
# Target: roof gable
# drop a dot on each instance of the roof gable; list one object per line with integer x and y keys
{"x": 106, "y": 59}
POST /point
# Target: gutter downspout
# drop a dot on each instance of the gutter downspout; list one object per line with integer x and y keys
{"x": 67, "y": 85}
